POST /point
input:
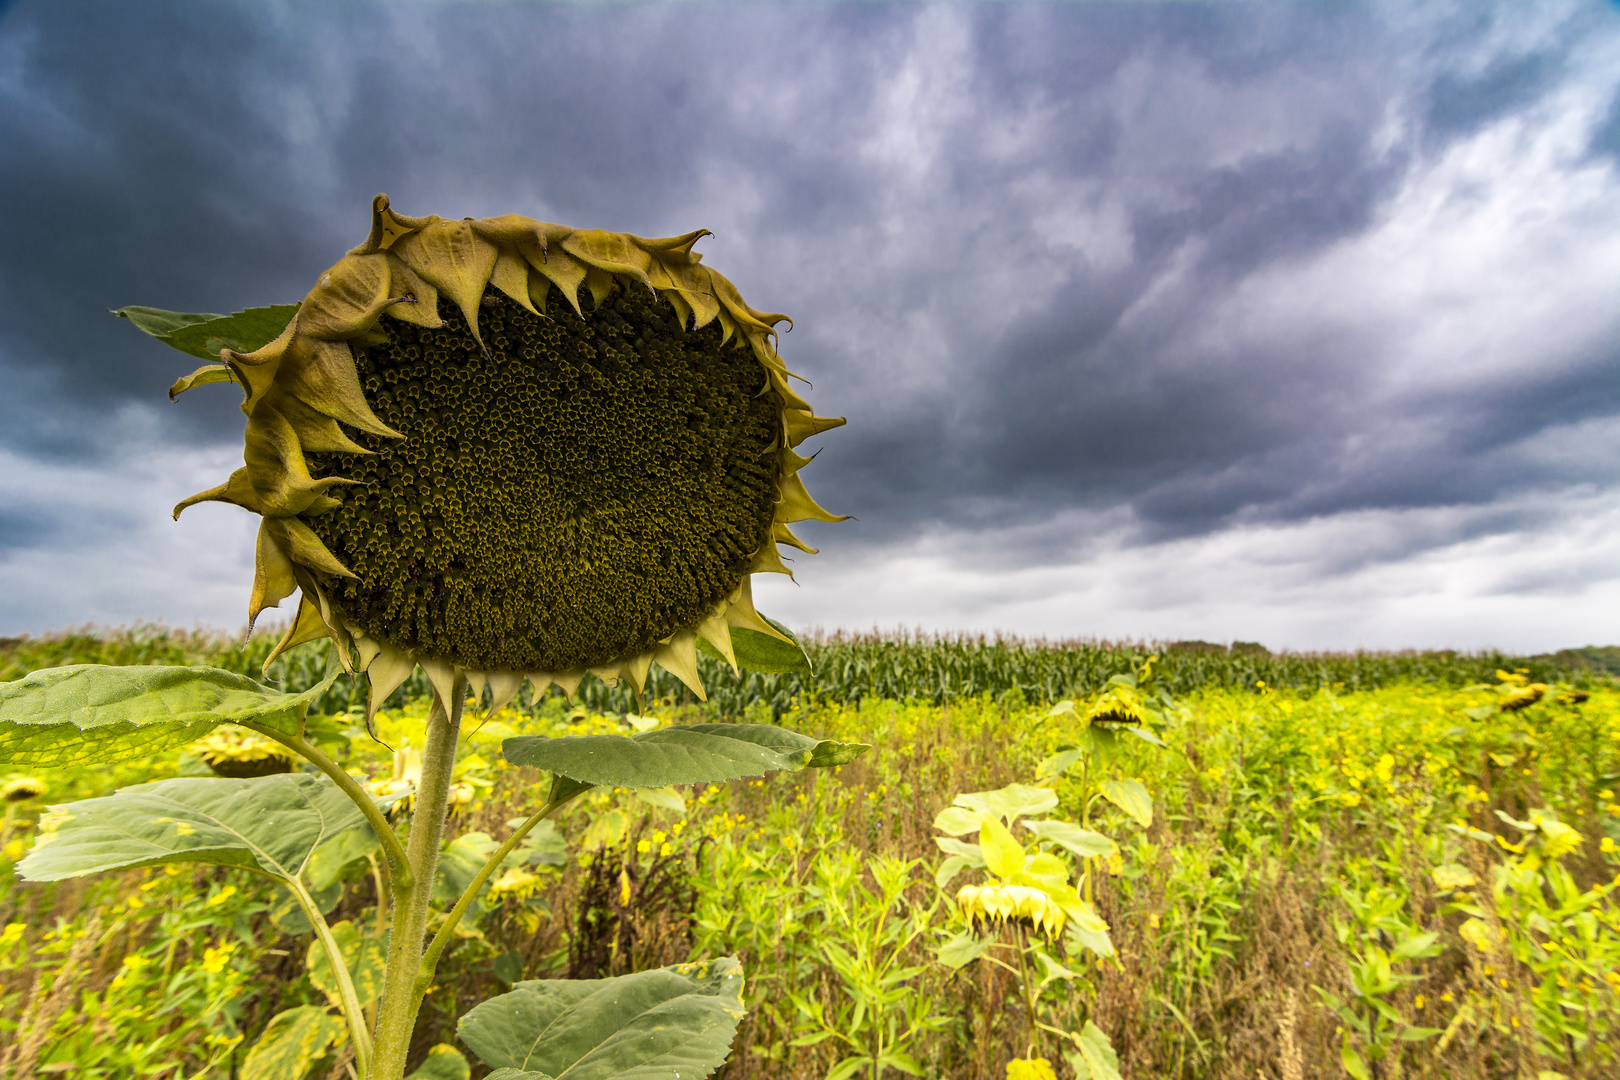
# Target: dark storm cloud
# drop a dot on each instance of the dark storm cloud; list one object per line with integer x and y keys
{"x": 1009, "y": 235}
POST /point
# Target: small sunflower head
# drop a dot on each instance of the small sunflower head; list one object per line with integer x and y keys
{"x": 21, "y": 789}
{"x": 998, "y": 902}
{"x": 242, "y": 754}
{"x": 509, "y": 449}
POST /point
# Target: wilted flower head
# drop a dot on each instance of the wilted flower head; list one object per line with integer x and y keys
{"x": 509, "y": 449}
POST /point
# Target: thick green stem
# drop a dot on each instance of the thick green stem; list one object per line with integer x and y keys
{"x": 348, "y": 1000}
{"x": 399, "y": 869}
{"x": 402, "y": 991}
{"x": 430, "y": 959}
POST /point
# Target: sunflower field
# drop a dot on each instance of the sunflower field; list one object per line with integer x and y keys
{"x": 1323, "y": 866}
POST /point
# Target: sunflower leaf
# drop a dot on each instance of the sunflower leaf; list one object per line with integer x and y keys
{"x": 695, "y": 754}
{"x": 271, "y": 824}
{"x": 654, "y": 1025}
{"x": 756, "y": 651}
{"x": 202, "y": 335}
{"x": 88, "y": 713}
{"x": 292, "y": 1042}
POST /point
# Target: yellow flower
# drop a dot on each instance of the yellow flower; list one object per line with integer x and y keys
{"x": 15, "y": 849}
{"x": 1420, "y": 1001}
{"x": 642, "y": 847}
{"x": 12, "y": 933}
{"x": 216, "y": 957}
{"x": 238, "y": 753}
{"x": 516, "y": 882}
{"x": 21, "y": 789}
{"x": 1030, "y": 1069}
{"x": 1606, "y": 845}
{"x": 222, "y": 896}
{"x": 512, "y": 450}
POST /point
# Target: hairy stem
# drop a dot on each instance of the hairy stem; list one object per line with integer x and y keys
{"x": 398, "y": 867}
{"x": 402, "y": 991}
{"x": 430, "y": 959}
{"x": 348, "y": 1000}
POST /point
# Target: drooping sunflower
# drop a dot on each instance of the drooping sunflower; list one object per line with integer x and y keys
{"x": 512, "y": 450}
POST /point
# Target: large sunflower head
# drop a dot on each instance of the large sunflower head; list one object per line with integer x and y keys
{"x": 510, "y": 450}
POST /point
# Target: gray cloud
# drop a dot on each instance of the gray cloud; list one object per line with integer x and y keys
{"x": 1159, "y": 266}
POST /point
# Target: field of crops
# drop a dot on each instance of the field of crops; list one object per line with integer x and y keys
{"x": 1368, "y": 865}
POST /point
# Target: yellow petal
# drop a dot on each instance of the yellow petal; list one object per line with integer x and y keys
{"x": 273, "y": 577}
{"x": 636, "y": 668}
{"x": 797, "y": 505}
{"x": 275, "y": 465}
{"x": 784, "y": 535}
{"x": 421, "y": 304}
{"x": 717, "y": 632}
{"x": 503, "y": 687}
{"x": 443, "y": 677}
{"x": 569, "y": 682}
{"x": 678, "y": 656}
{"x": 367, "y": 647}
{"x": 767, "y": 560}
{"x": 237, "y": 490}
{"x": 511, "y": 276}
{"x": 742, "y": 613}
{"x": 453, "y": 259}
{"x": 208, "y": 373}
{"x": 565, "y": 272}
{"x": 304, "y": 547}
{"x": 387, "y": 227}
{"x": 317, "y": 433}
{"x": 801, "y": 425}
{"x": 615, "y": 253}
{"x": 349, "y": 299}
{"x": 609, "y": 673}
{"x": 387, "y": 670}
{"x": 322, "y": 374}
{"x": 539, "y": 287}
{"x": 307, "y": 626}
{"x": 600, "y": 284}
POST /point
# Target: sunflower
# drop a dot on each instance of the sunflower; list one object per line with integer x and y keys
{"x": 508, "y": 450}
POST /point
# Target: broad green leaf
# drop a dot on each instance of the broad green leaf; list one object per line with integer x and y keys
{"x": 203, "y": 336}
{"x": 364, "y": 955}
{"x": 1452, "y": 876}
{"x": 1353, "y": 1062}
{"x": 1147, "y": 736}
{"x": 1059, "y": 763}
{"x": 1071, "y": 837}
{"x": 953, "y": 866}
{"x": 961, "y": 950}
{"x": 328, "y": 862}
{"x": 1044, "y": 871}
{"x": 87, "y": 713}
{"x": 517, "y": 1074}
{"x": 287, "y": 914}
{"x": 606, "y": 829}
{"x": 762, "y": 652}
{"x": 1131, "y": 797}
{"x": 669, "y": 1023}
{"x": 1052, "y": 970}
{"x": 952, "y": 846}
{"x": 444, "y": 1062}
{"x": 1095, "y": 1059}
{"x": 459, "y": 862}
{"x": 159, "y": 323}
{"x": 271, "y": 824}
{"x": 1011, "y": 802}
{"x": 1003, "y": 855}
{"x": 292, "y": 1042}
{"x": 666, "y": 798}
{"x": 956, "y": 821}
{"x": 1086, "y": 929}
{"x": 544, "y": 846}
{"x": 696, "y": 754}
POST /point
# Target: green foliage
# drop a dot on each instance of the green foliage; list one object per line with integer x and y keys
{"x": 697, "y": 754}
{"x": 204, "y": 335}
{"x": 272, "y": 824}
{"x": 292, "y": 1044}
{"x": 654, "y": 1025}
{"x": 90, "y": 713}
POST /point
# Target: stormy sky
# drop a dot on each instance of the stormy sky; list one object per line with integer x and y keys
{"x": 1288, "y": 322}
